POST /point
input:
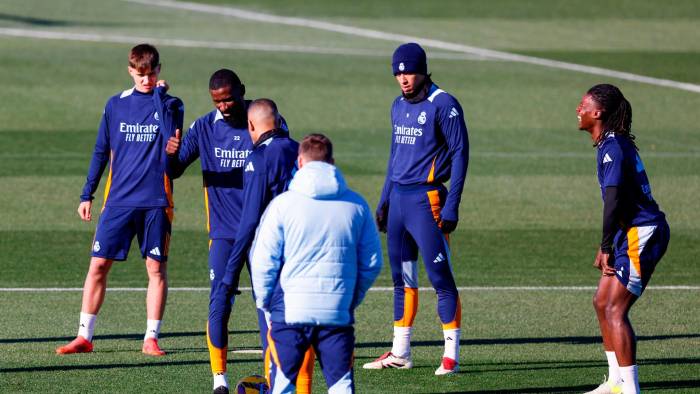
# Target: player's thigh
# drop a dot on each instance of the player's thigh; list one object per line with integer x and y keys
{"x": 431, "y": 241}
{"x": 288, "y": 345}
{"x": 637, "y": 252}
{"x": 334, "y": 348}
{"x": 115, "y": 230}
{"x": 153, "y": 228}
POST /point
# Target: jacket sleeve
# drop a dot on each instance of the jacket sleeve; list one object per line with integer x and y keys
{"x": 369, "y": 257}
{"x": 100, "y": 157}
{"x": 189, "y": 152}
{"x": 267, "y": 252}
{"x": 388, "y": 184}
{"x": 454, "y": 129}
{"x": 254, "y": 194}
{"x": 172, "y": 111}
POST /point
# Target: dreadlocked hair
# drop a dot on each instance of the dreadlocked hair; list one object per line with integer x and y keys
{"x": 616, "y": 111}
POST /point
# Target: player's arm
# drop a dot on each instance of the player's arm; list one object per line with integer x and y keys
{"x": 454, "y": 129}
{"x": 369, "y": 257}
{"x": 254, "y": 194}
{"x": 98, "y": 163}
{"x": 267, "y": 251}
{"x": 183, "y": 152}
{"x": 382, "y": 212}
{"x": 611, "y": 164}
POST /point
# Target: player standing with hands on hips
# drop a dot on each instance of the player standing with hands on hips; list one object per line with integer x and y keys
{"x": 138, "y": 199}
{"x": 429, "y": 147}
{"x": 635, "y": 232}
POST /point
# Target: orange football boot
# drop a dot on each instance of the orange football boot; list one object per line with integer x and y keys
{"x": 151, "y": 348}
{"x": 78, "y": 345}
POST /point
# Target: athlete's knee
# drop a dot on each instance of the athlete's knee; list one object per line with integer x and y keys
{"x": 99, "y": 268}
{"x": 616, "y": 314}
{"x": 599, "y": 303}
{"x": 156, "y": 269}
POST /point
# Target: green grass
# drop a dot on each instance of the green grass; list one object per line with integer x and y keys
{"x": 530, "y": 212}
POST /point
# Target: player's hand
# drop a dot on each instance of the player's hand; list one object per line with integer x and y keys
{"x": 174, "y": 143}
{"x": 85, "y": 210}
{"x": 162, "y": 84}
{"x": 448, "y": 226}
{"x": 604, "y": 263}
{"x": 381, "y": 217}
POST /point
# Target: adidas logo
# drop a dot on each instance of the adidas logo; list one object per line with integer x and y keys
{"x": 607, "y": 159}
{"x": 439, "y": 259}
{"x": 155, "y": 251}
{"x": 249, "y": 167}
{"x": 453, "y": 113}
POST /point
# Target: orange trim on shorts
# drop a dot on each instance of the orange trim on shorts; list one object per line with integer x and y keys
{"x": 410, "y": 308}
{"x": 633, "y": 248}
{"x": 217, "y": 356}
{"x": 306, "y": 373}
{"x": 457, "y": 322}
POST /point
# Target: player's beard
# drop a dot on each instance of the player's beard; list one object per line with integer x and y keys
{"x": 238, "y": 118}
{"x": 420, "y": 92}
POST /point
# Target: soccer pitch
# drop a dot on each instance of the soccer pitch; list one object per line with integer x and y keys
{"x": 530, "y": 215}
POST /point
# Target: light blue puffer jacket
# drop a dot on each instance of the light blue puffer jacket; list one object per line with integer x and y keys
{"x": 316, "y": 251}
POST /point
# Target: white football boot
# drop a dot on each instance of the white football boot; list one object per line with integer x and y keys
{"x": 388, "y": 360}
{"x": 607, "y": 387}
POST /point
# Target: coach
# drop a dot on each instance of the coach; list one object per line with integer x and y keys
{"x": 316, "y": 254}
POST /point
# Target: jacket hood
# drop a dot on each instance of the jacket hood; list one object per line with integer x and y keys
{"x": 318, "y": 180}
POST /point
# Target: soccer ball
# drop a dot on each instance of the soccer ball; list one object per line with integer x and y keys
{"x": 254, "y": 384}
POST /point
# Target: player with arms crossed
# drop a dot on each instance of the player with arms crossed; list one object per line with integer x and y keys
{"x": 635, "y": 232}
{"x": 135, "y": 127}
{"x": 429, "y": 147}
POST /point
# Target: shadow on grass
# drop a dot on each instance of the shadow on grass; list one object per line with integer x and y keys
{"x": 678, "y": 384}
{"x": 580, "y": 340}
{"x": 34, "y": 21}
{"x": 54, "y": 368}
{"x": 121, "y": 336}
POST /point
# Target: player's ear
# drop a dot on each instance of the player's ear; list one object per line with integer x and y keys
{"x": 300, "y": 161}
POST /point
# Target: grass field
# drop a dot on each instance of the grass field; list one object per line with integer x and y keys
{"x": 531, "y": 207}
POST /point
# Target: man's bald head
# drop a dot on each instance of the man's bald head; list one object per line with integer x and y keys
{"x": 262, "y": 117}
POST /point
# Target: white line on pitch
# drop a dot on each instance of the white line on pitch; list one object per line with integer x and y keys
{"x": 184, "y": 43}
{"x": 379, "y": 289}
{"x": 431, "y": 43}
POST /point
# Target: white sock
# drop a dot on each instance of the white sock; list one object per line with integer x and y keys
{"x": 87, "y": 325}
{"x": 451, "y": 343}
{"x": 152, "y": 329}
{"x": 630, "y": 379}
{"x": 613, "y": 368}
{"x": 220, "y": 379}
{"x": 402, "y": 341}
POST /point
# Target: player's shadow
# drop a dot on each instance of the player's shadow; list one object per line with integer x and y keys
{"x": 677, "y": 384}
{"x": 168, "y": 363}
{"x": 573, "y": 340}
{"x": 120, "y": 336}
{"x": 34, "y": 21}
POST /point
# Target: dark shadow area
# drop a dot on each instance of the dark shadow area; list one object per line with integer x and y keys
{"x": 34, "y": 21}
{"x": 53, "y": 368}
{"x": 678, "y": 384}
{"x": 520, "y": 341}
{"x": 121, "y": 336}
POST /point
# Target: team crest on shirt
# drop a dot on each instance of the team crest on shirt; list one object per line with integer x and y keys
{"x": 96, "y": 246}
{"x": 422, "y": 118}
{"x": 401, "y": 66}
{"x": 155, "y": 115}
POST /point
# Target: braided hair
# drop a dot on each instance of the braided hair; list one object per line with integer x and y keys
{"x": 616, "y": 111}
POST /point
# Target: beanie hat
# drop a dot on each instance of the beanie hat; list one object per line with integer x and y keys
{"x": 409, "y": 58}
